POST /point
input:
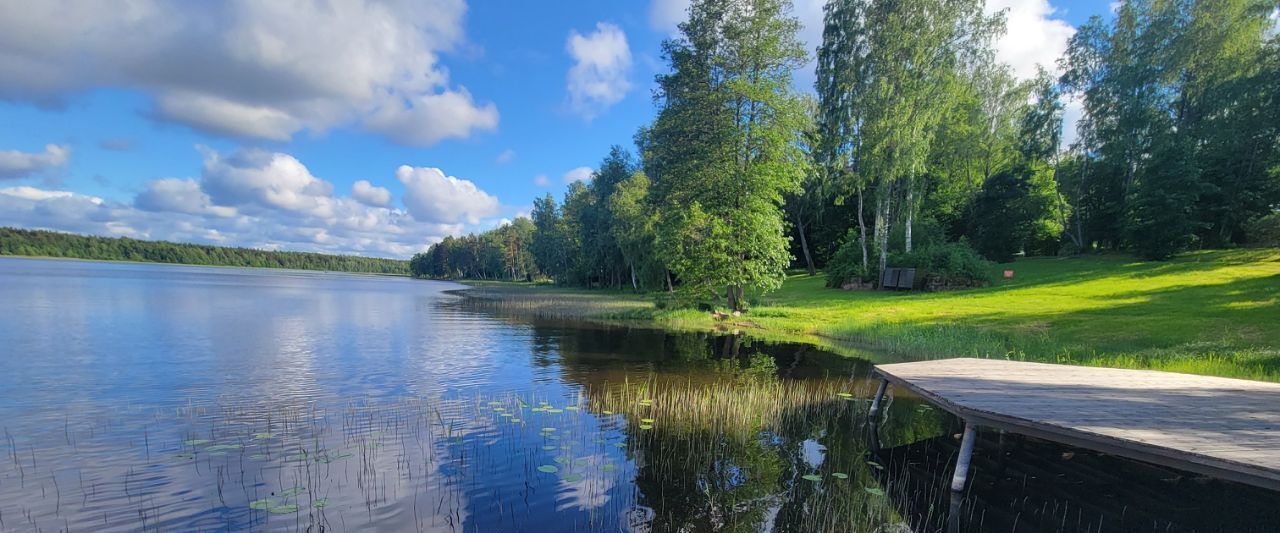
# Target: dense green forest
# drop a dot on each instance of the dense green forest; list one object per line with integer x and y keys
{"x": 919, "y": 148}
{"x": 37, "y": 243}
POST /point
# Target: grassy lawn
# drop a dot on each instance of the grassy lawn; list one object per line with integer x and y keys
{"x": 1212, "y": 312}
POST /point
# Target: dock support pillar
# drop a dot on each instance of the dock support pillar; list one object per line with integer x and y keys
{"x": 875, "y": 402}
{"x": 873, "y": 417}
{"x": 966, "y": 454}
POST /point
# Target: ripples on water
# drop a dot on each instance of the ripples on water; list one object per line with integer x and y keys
{"x": 148, "y": 397}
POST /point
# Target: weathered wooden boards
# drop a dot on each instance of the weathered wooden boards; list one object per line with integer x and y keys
{"x": 1227, "y": 428}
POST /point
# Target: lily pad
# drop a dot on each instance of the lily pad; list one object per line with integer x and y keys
{"x": 321, "y": 503}
{"x": 875, "y": 465}
{"x": 549, "y": 447}
{"x": 562, "y": 460}
{"x": 874, "y": 490}
{"x": 646, "y": 426}
{"x": 262, "y": 504}
{"x": 197, "y": 442}
{"x": 555, "y": 410}
{"x": 571, "y": 408}
{"x": 619, "y": 445}
{"x": 292, "y": 491}
{"x": 548, "y": 469}
{"x": 573, "y": 477}
{"x": 812, "y": 477}
{"x": 840, "y": 475}
{"x": 263, "y": 435}
{"x": 844, "y": 395}
{"x": 283, "y": 509}
{"x": 646, "y": 420}
{"x": 579, "y": 462}
{"x": 513, "y": 419}
{"x": 607, "y": 412}
{"x": 609, "y": 467}
{"x": 548, "y": 430}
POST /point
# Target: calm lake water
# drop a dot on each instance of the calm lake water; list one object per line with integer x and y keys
{"x": 177, "y": 398}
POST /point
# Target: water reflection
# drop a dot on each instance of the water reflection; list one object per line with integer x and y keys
{"x": 187, "y": 398}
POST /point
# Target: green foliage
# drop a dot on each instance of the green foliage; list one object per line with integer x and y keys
{"x": 723, "y": 150}
{"x": 1016, "y": 208}
{"x": 846, "y": 265}
{"x": 38, "y": 243}
{"x": 947, "y": 265}
{"x": 1198, "y": 75}
{"x": 505, "y": 252}
{"x": 1264, "y": 231}
{"x": 633, "y": 230}
{"x": 1159, "y": 220}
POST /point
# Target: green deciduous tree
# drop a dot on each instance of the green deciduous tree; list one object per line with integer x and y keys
{"x": 724, "y": 148}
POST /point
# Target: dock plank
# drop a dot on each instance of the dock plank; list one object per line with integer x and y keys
{"x": 1221, "y": 427}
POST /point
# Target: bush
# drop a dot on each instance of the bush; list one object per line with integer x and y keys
{"x": 846, "y": 265}
{"x": 1264, "y": 231}
{"x": 681, "y": 300}
{"x": 953, "y": 264}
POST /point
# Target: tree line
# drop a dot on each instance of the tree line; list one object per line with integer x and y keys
{"x": 918, "y": 145}
{"x": 39, "y": 243}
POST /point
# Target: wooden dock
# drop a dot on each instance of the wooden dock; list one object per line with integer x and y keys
{"x": 1224, "y": 428}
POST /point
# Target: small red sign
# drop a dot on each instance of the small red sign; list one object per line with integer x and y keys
{"x": 1008, "y": 274}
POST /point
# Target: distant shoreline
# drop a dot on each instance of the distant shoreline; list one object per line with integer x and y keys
{"x": 137, "y": 262}
{"x": 19, "y": 242}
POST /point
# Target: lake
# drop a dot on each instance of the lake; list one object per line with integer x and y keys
{"x": 161, "y": 397}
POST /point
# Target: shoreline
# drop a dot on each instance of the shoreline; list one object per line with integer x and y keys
{"x": 137, "y": 262}
{"x": 1208, "y": 313}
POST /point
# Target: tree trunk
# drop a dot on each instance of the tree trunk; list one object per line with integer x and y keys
{"x": 911, "y": 212}
{"x": 804, "y": 246}
{"x": 670, "y": 286}
{"x": 730, "y": 295}
{"x": 634, "y": 286}
{"x": 882, "y": 225}
{"x": 862, "y": 229}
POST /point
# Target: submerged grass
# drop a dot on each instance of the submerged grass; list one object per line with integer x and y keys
{"x": 1214, "y": 313}
{"x": 734, "y": 452}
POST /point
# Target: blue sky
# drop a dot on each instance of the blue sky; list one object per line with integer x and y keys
{"x": 342, "y": 126}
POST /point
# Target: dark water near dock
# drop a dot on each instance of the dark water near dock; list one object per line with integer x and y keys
{"x": 173, "y": 398}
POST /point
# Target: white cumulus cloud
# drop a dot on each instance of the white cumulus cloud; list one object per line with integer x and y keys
{"x": 18, "y": 164}
{"x": 370, "y": 194}
{"x": 245, "y": 68}
{"x": 179, "y": 196}
{"x": 270, "y": 180}
{"x": 582, "y": 174}
{"x": 601, "y": 64}
{"x": 266, "y": 200}
{"x": 1034, "y": 35}
{"x": 431, "y": 196}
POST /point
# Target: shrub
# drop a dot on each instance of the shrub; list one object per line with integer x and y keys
{"x": 1264, "y": 231}
{"x": 846, "y": 265}
{"x": 953, "y": 264}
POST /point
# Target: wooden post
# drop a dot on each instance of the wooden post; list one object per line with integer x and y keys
{"x": 962, "y": 462}
{"x": 875, "y": 402}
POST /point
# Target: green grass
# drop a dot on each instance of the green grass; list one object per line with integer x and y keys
{"x": 1215, "y": 313}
